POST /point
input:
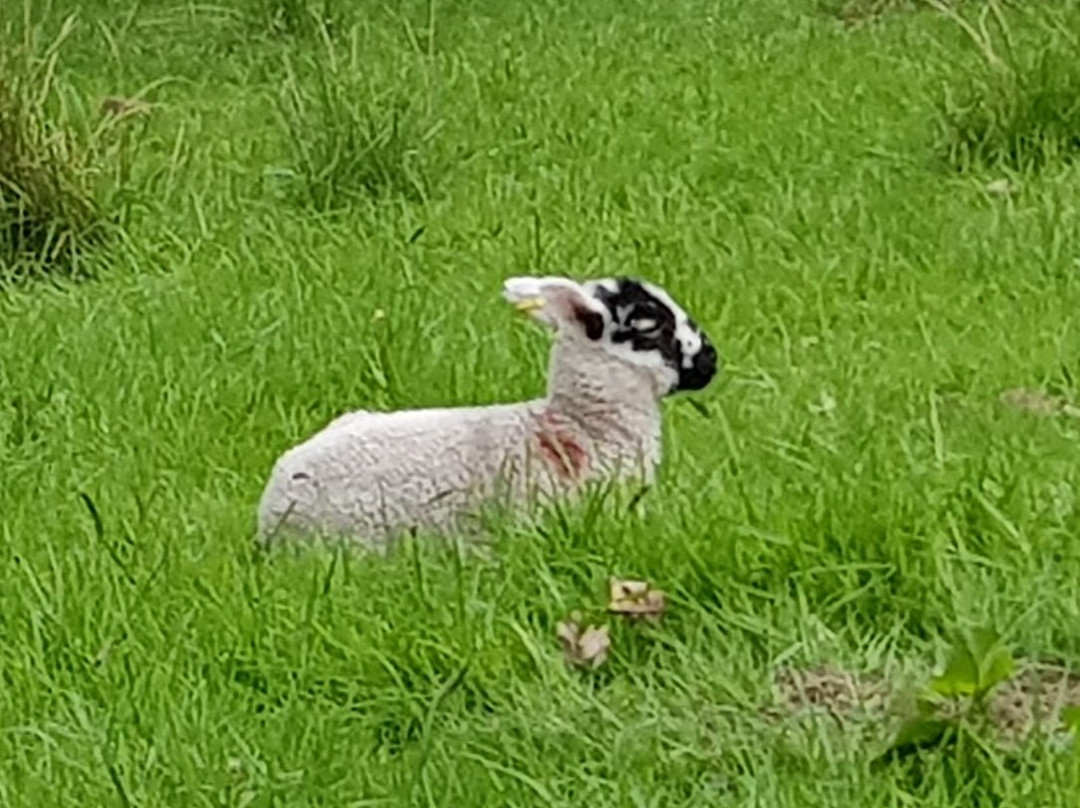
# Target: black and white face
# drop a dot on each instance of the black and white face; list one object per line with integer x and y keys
{"x": 645, "y": 326}
{"x": 634, "y": 321}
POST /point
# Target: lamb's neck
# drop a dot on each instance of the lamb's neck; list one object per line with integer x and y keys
{"x": 618, "y": 414}
{"x": 605, "y": 416}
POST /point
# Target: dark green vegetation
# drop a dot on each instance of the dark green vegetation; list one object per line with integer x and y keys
{"x": 877, "y": 224}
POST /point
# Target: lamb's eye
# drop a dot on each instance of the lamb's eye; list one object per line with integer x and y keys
{"x": 643, "y": 324}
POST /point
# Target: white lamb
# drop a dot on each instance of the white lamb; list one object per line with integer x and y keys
{"x": 621, "y": 345}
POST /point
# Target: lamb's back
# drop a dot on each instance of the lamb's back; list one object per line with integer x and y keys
{"x": 371, "y": 470}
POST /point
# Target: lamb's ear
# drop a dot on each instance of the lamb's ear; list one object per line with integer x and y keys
{"x": 556, "y": 302}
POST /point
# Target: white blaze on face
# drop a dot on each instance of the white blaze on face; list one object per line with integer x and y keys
{"x": 688, "y": 336}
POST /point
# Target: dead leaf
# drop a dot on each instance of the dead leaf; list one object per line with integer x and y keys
{"x": 824, "y": 405}
{"x": 583, "y": 649}
{"x": 123, "y": 107}
{"x": 636, "y": 599}
{"x": 1037, "y": 402}
{"x": 1000, "y": 187}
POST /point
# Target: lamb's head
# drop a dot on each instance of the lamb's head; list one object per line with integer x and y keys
{"x": 630, "y": 320}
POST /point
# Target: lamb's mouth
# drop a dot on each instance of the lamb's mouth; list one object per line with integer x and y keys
{"x": 702, "y": 370}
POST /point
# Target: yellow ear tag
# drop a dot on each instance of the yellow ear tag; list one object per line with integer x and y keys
{"x": 530, "y": 305}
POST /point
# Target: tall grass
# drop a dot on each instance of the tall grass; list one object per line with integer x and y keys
{"x": 1019, "y": 106}
{"x": 854, "y": 492}
{"x": 352, "y": 135}
{"x": 61, "y": 171}
{"x": 855, "y": 12}
{"x": 295, "y": 17}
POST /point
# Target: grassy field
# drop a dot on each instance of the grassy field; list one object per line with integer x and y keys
{"x": 852, "y": 493}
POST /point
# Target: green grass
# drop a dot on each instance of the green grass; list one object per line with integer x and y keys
{"x": 855, "y": 495}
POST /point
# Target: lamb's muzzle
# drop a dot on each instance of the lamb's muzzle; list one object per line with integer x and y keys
{"x": 701, "y": 371}
{"x": 621, "y": 346}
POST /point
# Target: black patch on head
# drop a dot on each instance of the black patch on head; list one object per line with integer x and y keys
{"x": 702, "y": 368}
{"x": 632, "y": 302}
{"x": 593, "y": 322}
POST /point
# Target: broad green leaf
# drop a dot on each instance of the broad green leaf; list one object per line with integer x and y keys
{"x": 927, "y": 703}
{"x": 981, "y": 642}
{"x": 994, "y": 662}
{"x": 961, "y": 674}
{"x": 995, "y": 668}
{"x": 1070, "y": 717}
{"x": 919, "y": 732}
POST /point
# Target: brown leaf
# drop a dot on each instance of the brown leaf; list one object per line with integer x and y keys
{"x": 583, "y": 649}
{"x": 636, "y": 599}
{"x": 123, "y": 107}
{"x": 1000, "y": 187}
{"x": 1037, "y": 402}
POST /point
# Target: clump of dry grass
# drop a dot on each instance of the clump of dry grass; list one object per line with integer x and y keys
{"x": 57, "y": 177}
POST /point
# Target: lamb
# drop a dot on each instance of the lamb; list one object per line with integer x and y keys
{"x": 621, "y": 345}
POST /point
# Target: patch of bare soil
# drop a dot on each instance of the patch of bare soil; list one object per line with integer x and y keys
{"x": 830, "y": 690}
{"x": 1033, "y": 701}
{"x": 1030, "y": 702}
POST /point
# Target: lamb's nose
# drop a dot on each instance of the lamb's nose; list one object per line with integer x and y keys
{"x": 706, "y": 360}
{"x": 701, "y": 371}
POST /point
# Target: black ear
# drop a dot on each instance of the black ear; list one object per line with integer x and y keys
{"x": 592, "y": 322}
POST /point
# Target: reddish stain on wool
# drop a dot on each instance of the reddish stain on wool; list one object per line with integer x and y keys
{"x": 563, "y": 452}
